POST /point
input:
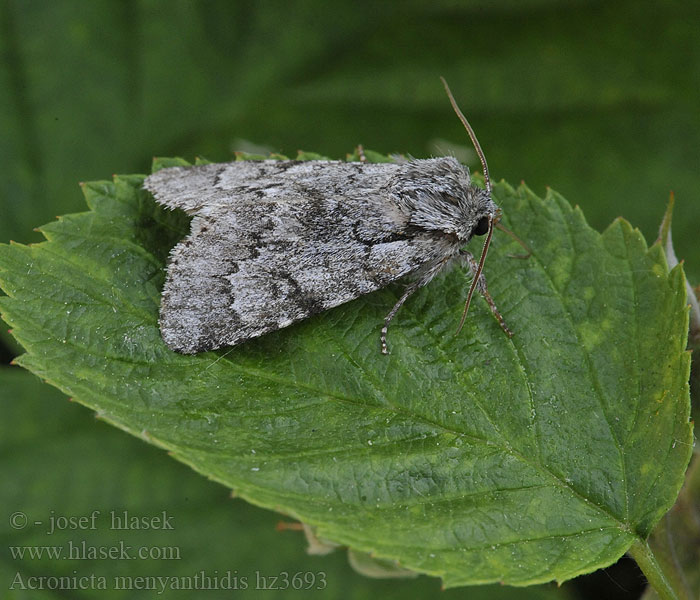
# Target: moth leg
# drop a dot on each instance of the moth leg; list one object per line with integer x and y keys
{"x": 392, "y": 313}
{"x": 426, "y": 276}
{"x": 361, "y": 153}
{"x": 483, "y": 290}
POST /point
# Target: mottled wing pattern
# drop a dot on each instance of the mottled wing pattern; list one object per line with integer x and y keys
{"x": 274, "y": 242}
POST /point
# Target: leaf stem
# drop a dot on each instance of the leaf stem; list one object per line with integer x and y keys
{"x": 662, "y": 582}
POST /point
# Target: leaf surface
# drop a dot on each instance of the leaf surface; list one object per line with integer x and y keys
{"x": 476, "y": 457}
{"x": 59, "y": 462}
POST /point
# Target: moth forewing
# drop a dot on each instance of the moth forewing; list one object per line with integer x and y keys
{"x": 275, "y": 242}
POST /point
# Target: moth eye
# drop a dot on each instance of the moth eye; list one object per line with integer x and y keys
{"x": 481, "y": 227}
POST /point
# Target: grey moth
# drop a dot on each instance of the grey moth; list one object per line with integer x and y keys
{"x": 274, "y": 242}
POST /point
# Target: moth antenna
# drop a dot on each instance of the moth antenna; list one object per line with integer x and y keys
{"x": 475, "y": 281}
{"x": 472, "y": 135}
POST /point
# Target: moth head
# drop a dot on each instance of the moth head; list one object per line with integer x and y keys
{"x": 482, "y": 215}
{"x": 435, "y": 194}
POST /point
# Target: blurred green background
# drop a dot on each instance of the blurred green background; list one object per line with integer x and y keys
{"x": 598, "y": 100}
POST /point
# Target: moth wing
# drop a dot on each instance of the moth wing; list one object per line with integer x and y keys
{"x": 193, "y": 188}
{"x": 255, "y": 262}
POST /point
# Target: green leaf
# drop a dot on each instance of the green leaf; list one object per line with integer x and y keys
{"x": 476, "y": 457}
{"x": 58, "y": 461}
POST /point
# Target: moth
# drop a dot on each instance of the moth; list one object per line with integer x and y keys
{"x": 274, "y": 242}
